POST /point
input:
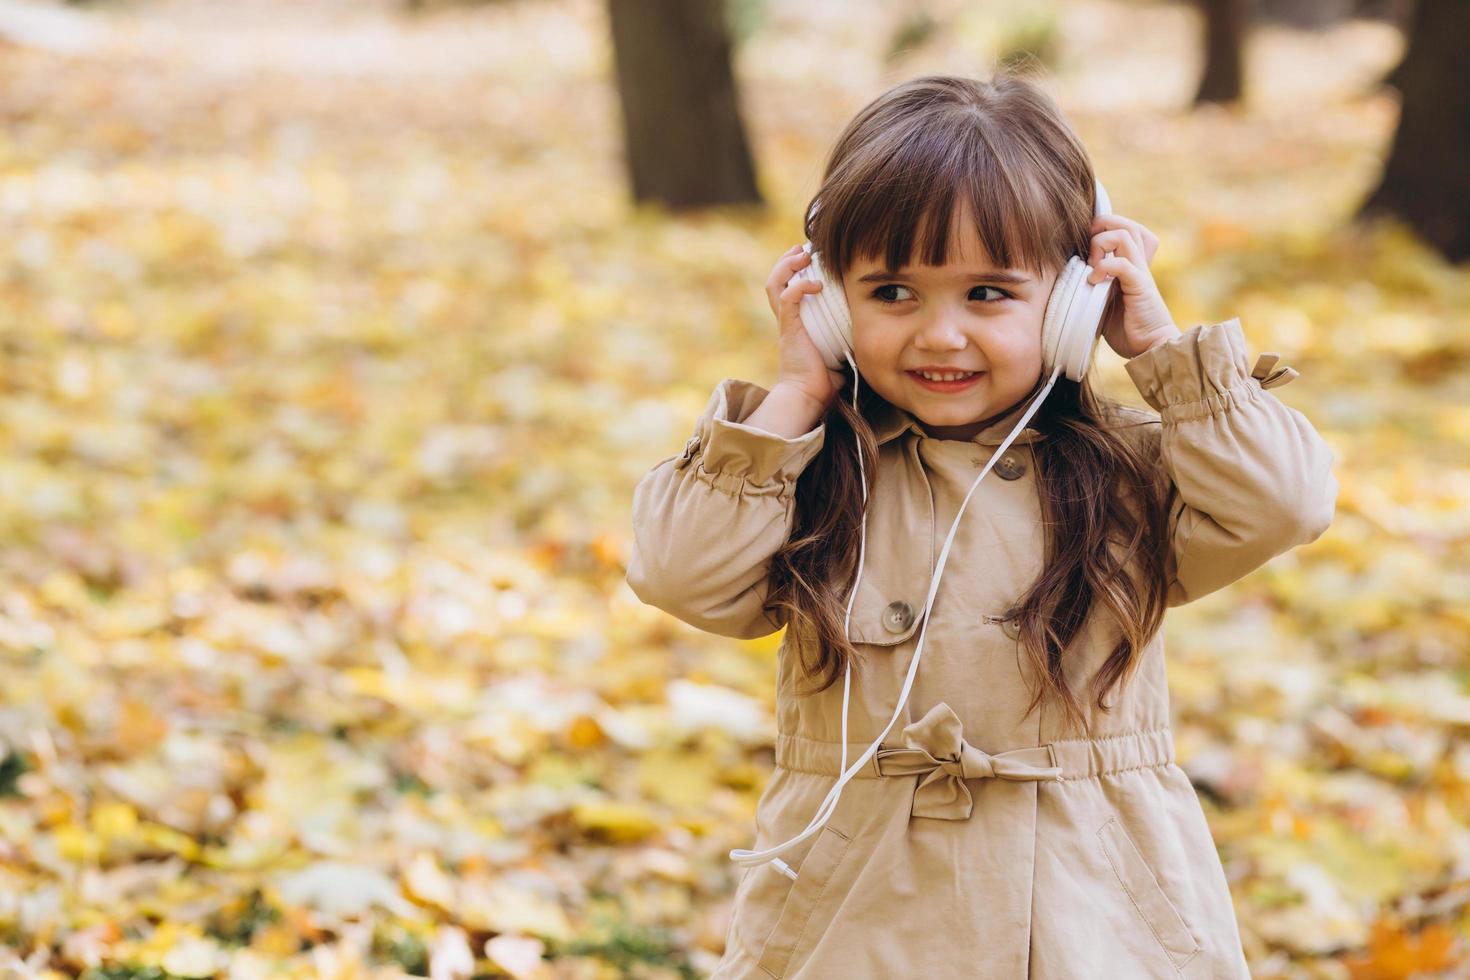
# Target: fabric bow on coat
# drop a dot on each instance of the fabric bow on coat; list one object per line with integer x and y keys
{"x": 935, "y": 747}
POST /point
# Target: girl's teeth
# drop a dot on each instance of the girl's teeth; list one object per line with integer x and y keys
{"x": 944, "y": 377}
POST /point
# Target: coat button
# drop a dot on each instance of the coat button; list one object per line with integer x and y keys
{"x": 898, "y": 617}
{"x": 1011, "y": 626}
{"x": 1010, "y": 466}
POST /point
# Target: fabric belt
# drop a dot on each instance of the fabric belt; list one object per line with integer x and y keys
{"x": 934, "y": 748}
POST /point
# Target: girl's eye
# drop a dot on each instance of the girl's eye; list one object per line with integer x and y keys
{"x": 886, "y": 301}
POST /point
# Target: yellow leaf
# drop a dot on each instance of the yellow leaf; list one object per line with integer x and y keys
{"x": 585, "y": 733}
{"x": 114, "y": 821}
{"x": 426, "y": 883}
{"x": 276, "y": 939}
{"x": 167, "y": 839}
{"x": 679, "y": 779}
{"x": 617, "y": 821}
{"x": 73, "y": 843}
{"x": 498, "y": 906}
{"x": 139, "y": 728}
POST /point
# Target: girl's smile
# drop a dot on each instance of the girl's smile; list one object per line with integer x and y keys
{"x": 946, "y": 386}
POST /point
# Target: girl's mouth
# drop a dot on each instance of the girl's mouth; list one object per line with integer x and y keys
{"x": 945, "y": 386}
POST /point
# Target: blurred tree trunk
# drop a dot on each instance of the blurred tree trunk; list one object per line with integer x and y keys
{"x": 1397, "y": 12}
{"x": 1225, "y": 22}
{"x": 684, "y": 139}
{"x": 1425, "y": 180}
{"x": 1304, "y": 14}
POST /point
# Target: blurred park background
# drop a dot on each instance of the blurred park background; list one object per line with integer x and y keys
{"x": 336, "y": 335}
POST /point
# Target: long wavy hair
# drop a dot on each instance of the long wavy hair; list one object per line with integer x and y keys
{"x": 894, "y": 177}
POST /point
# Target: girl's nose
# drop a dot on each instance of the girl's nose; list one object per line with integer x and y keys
{"x": 941, "y": 333}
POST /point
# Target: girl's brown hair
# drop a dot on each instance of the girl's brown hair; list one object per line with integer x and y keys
{"x": 895, "y": 176}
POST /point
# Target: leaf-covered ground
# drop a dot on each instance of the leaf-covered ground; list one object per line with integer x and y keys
{"x": 332, "y": 349}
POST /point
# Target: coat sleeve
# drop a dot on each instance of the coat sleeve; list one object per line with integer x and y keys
{"x": 706, "y": 522}
{"x": 1250, "y": 478}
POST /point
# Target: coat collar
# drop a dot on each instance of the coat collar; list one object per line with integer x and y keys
{"x": 892, "y": 421}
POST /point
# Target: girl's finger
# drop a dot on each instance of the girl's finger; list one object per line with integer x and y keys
{"x": 1118, "y": 241}
{"x": 1136, "y": 233}
{"x": 791, "y": 299}
{"x": 1114, "y": 265}
{"x": 785, "y": 268}
{"x": 782, "y": 273}
{"x": 1112, "y": 240}
{"x": 791, "y": 284}
{"x": 1135, "y": 230}
{"x": 1116, "y": 221}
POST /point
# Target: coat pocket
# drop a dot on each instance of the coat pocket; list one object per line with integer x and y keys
{"x": 803, "y": 899}
{"x": 1142, "y": 888}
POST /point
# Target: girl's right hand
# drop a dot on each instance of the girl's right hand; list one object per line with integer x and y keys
{"x": 802, "y": 366}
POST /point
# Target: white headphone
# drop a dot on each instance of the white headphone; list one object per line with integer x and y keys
{"x": 1069, "y": 331}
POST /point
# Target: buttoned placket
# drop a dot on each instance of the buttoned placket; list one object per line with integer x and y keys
{"x": 898, "y": 615}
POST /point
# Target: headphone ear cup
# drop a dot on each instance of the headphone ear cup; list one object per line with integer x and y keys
{"x": 1074, "y": 310}
{"x": 1063, "y": 292}
{"x": 825, "y": 314}
{"x": 1073, "y": 317}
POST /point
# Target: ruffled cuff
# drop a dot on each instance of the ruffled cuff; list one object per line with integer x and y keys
{"x": 739, "y": 458}
{"x": 1202, "y": 372}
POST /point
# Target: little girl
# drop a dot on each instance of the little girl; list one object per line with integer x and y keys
{"x": 1025, "y": 817}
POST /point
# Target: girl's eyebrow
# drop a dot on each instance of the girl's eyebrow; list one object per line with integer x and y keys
{"x": 992, "y": 276}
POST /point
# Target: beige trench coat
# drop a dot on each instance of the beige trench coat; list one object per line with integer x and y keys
{"x": 979, "y": 843}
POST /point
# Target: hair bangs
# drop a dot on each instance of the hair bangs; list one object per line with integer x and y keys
{"x": 900, "y": 206}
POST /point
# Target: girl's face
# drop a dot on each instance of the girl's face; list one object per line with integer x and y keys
{"x": 962, "y": 316}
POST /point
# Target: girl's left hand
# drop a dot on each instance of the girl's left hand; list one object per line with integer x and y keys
{"x": 1144, "y": 321}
